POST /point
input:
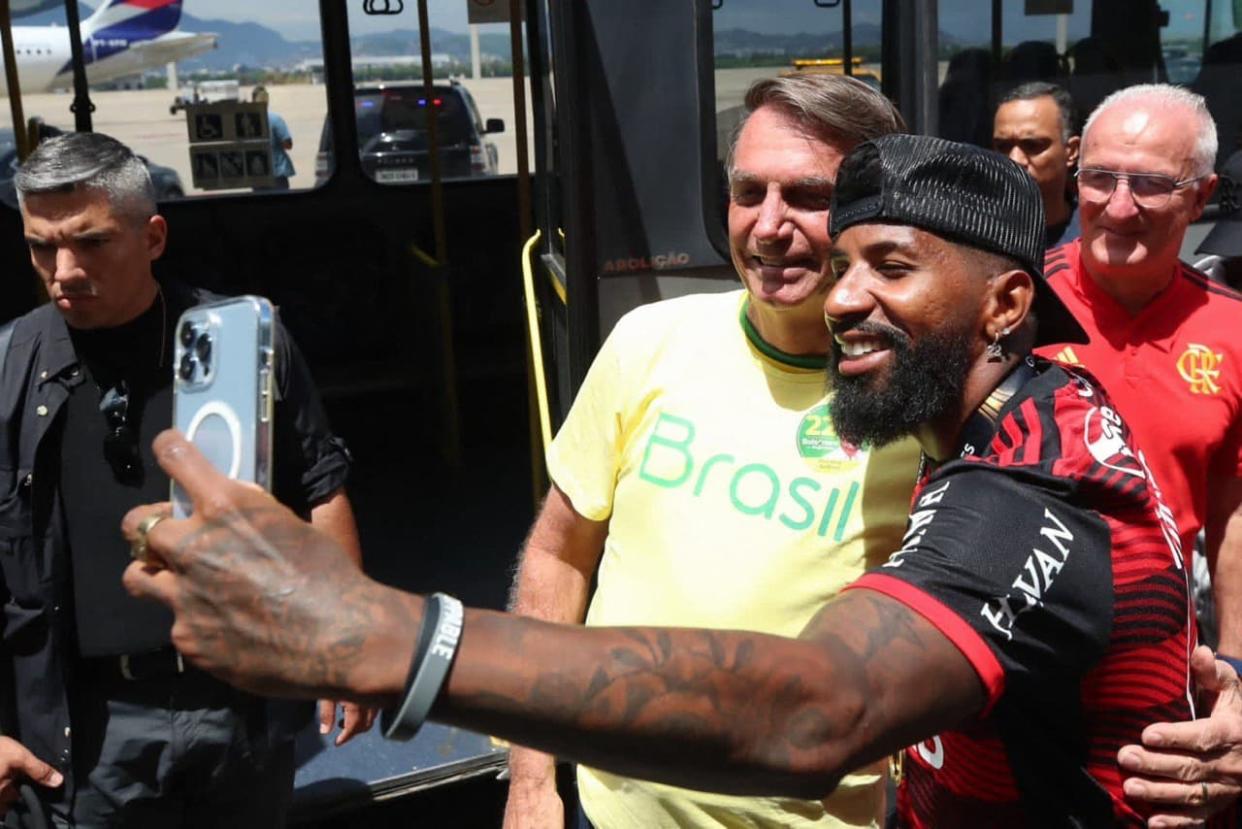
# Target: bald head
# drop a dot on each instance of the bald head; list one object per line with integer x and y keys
{"x": 1180, "y": 115}
{"x": 1145, "y": 173}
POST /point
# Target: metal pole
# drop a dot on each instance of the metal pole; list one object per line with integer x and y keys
{"x": 539, "y": 483}
{"x": 433, "y": 137}
{"x": 476, "y": 54}
{"x": 847, "y": 36}
{"x": 1207, "y": 27}
{"x": 81, "y": 106}
{"x": 519, "y": 118}
{"x": 998, "y": 35}
{"x": 927, "y": 44}
{"x": 10, "y": 79}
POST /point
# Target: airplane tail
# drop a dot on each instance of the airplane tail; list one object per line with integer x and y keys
{"x": 132, "y": 20}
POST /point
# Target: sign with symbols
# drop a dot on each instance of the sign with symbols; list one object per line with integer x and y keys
{"x": 487, "y": 11}
{"x": 230, "y": 145}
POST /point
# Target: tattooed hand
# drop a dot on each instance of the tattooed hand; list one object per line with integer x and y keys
{"x": 263, "y": 600}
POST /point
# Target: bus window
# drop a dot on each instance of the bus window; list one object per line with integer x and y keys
{"x": 471, "y": 100}
{"x": 153, "y": 69}
{"x": 1090, "y": 47}
{"x": 976, "y": 69}
{"x": 754, "y": 39}
{"x": 1211, "y": 54}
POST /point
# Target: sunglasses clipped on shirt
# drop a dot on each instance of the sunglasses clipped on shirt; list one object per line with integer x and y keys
{"x": 1150, "y": 190}
{"x": 120, "y": 442}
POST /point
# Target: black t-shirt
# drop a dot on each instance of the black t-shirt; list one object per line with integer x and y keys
{"x": 106, "y": 471}
{"x": 1046, "y": 555}
{"x": 98, "y": 489}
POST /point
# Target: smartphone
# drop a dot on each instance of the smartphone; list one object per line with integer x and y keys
{"x": 223, "y": 388}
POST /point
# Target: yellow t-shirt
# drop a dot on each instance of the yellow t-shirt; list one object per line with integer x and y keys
{"x": 731, "y": 504}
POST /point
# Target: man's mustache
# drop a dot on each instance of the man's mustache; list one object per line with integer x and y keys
{"x": 87, "y": 289}
{"x": 894, "y": 336}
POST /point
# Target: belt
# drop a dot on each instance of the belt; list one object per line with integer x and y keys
{"x": 137, "y": 667}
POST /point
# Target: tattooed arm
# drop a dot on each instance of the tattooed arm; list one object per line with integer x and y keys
{"x": 729, "y": 711}
{"x": 267, "y": 603}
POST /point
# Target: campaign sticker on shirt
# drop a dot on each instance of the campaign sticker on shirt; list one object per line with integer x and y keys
{"x": 819, "y": 445}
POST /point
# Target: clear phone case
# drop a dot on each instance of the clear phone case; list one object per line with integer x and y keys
{"x": 222, "y": 388}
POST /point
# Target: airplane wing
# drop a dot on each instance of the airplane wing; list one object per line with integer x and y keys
{"x": 167, "y": 49}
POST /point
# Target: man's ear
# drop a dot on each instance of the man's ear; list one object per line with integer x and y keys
{"x": 157, "y": 236}
{"x": 1072, "y": 147}
{"x": 1010, "y": 296}
{"x": 1203, "y": 193}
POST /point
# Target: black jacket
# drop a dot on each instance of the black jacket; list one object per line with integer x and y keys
{"x": 36, "y": 660}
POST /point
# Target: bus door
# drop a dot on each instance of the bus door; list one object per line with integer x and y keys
{"x": 406, "y": 307}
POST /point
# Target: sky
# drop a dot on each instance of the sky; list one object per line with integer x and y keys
{"x": 299, "y": 19}
{"x": 965, "y": 19}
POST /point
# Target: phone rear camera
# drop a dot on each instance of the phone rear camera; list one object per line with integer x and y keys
{"x": 186, "y": 368}
{"x": 202, "y": 347}
{"x": 187, "y": 334}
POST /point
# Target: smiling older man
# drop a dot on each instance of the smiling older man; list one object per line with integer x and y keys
{"x": 1165, "y": 341}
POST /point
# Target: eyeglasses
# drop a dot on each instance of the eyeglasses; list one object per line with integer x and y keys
{"x": 1150, "y": 190}
{"x": 120, "y": 443}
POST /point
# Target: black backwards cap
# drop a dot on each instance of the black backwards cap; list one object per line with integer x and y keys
{"x": 962, "y": 193}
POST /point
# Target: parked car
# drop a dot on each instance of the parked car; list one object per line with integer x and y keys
{"x": 392, "y": 133}
{"x": 165, "y": 179}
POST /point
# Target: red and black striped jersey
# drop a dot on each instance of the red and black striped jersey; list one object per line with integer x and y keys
{"x": 1045, "y": 553}
{"x": 1173, "y": 371}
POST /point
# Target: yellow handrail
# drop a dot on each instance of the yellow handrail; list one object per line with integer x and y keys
{"x": 535, "y": 341}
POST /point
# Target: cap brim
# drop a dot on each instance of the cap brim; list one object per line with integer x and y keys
{"x": 1056, "y": 323}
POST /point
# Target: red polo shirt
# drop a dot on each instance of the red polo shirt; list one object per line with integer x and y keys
{"x": 1174, "y": 371}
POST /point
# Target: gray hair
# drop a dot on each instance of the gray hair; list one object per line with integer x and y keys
{"x": 93, "y": 161}
{"x": 842, "y": 109}
{"x": 1042, "y": 89}
{"x": 1203, "y": 156}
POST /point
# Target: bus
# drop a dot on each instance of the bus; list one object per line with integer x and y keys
{"x": 450, "y": 316}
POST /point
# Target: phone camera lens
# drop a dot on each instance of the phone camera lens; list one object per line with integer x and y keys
{"x": 202, "y": 347}
{"x": 186, "y": 368}
{"x": 188, "y": 332}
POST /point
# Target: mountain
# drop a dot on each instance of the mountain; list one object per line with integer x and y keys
{"x": 405, "y": 42}
{"x": 257, "y": 45}
{"x": 253, "y": 44}
{"x": 248, "y": 44}
{"x": 744, "y": 43}
{"x": 245, "y": 44}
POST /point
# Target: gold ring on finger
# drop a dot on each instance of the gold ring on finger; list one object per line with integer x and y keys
{"x": 139, "y": 549}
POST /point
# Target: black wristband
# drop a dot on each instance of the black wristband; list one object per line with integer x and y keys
{"x": 437, "y": 645}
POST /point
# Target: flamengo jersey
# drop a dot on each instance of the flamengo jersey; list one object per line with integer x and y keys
{"x": 1174, "y": 371}
{"x": 730, "y": 503}
{"x": 1045, "y": 554}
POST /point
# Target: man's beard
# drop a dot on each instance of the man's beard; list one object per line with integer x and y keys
{"x": 925, "y": 382}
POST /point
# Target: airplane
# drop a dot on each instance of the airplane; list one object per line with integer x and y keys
{"x": 19, "y": 8}
{"x": 120, "y": 38}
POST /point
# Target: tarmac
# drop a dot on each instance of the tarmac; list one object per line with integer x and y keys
{"x": 141, "y": 119}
